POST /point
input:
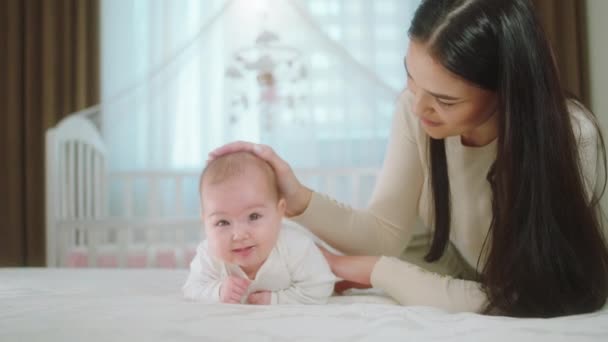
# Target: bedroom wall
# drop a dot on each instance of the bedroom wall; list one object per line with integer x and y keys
{"x": 597, "y": 26}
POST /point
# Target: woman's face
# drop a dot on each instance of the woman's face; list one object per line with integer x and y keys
{"x": 446, "y": 104}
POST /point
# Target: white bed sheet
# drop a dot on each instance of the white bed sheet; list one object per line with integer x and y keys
{"x": 146, "y": 305}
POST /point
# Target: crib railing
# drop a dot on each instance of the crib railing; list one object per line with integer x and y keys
{"x": 349, "y": 185}
{"x": 154, "y": 218}
{"x": 123, "y": 242}
{"x": 128, "y": 196}
{"x": 138, "y": 219}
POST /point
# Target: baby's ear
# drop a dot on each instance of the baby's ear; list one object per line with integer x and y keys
{"x": 281, "y": 205}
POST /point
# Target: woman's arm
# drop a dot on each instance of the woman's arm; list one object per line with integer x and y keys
{"x": 409, "y": 284}
{"x": 413, "y": 285}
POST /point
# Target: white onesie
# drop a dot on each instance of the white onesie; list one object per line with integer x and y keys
{"x": 295, "y": 272}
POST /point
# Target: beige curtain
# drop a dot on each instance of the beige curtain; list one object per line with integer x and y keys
{"x": 50, "y": 67}
{"x": 564, "y": 21}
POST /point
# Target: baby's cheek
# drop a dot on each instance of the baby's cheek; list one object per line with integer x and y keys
{"x": 217, "y": 248}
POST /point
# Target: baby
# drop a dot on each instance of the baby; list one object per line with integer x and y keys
{"x": 248, "y": 257}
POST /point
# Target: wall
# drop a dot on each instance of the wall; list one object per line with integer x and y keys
{"x": 597, "y": 28}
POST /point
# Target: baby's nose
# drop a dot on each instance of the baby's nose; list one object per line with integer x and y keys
{"x": 240, "y": 233}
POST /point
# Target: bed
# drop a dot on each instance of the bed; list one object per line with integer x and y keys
{"x": 89, "y": 304}
{"x": 116, "y": 274}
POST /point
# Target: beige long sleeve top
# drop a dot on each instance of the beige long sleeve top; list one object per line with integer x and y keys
{"x": 402, "y": 194}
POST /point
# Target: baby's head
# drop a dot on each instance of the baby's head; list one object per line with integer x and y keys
{"x": 241, "y": 209}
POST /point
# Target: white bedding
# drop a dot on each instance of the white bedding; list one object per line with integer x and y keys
{"x": 146, "y": 305}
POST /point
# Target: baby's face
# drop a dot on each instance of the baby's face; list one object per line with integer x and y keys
{"x": 242, "y": 219}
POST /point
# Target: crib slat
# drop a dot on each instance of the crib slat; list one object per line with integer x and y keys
{"x": 127, "y": 197}
{"x": 123, "y": 245}
{"x": 89, "y": 182}
{"x": 179, "y": 201}
{"x": 63, "y": 244}
{"x": 103, "y": 187}
{"x": 95, "y": 186}
{"x": 355, "y": 186}
{"x": 70, "y": 180}
{"x": 151, "y": 245}
{"x": 153, "y": 198}
{"x": 80, "y": 168}
{"x": 61, "y": 179}
{"x": 92, "y": 246}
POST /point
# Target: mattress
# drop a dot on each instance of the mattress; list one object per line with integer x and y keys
{"x": 146, "y": 305}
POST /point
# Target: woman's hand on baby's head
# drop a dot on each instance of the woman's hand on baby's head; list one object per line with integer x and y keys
{"x": 296, "y": 195}
{"x": 233, "y": 289}
{"x": 259, "y": 298}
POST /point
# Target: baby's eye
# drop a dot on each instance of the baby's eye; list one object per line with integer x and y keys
{"x": 222, "y": 223}
{"x": 255, "y": 216}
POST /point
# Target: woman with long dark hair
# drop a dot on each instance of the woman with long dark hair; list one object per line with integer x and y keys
{"x": 489, "y": 151}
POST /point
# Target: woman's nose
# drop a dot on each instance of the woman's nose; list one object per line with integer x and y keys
{"x": 420, "y": 103}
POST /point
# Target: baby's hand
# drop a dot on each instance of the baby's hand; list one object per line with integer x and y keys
{"x": 232, "y": 289}
{"x": 259, "y": 298}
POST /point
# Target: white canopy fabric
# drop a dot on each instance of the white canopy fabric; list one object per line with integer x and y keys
{"x": 260, "y": 70}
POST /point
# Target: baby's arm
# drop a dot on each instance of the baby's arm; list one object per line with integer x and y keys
{"x": 204, "y": 281}
{"x": 312, "y": 279}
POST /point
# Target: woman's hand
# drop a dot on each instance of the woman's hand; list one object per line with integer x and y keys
{"x": 344, "y": 285}
{"x": 356, "y": 271}
{"x": 296, "y": 195}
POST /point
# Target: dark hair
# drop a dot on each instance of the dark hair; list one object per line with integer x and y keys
{"x": 547, "y": 255}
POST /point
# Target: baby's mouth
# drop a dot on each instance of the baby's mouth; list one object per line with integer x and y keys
{"x": 243, "y": 249}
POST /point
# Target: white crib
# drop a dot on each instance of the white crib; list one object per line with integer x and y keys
{"x": 96, "y": 218}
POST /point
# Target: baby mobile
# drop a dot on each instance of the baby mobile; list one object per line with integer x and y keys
{"x": 269, "y": 77}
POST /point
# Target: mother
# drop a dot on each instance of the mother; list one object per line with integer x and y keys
{"x": 490, "y": 153}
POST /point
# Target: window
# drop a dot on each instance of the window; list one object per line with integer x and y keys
{"x": 176, "y": 82}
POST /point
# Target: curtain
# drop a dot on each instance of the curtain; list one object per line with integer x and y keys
{"x": 153, "y": 94}
{"x": 564, "y": 23}
{"x": 315, "y": 79}
{"x": 50, "y": 67}
{"x": 170, "y": 100}
{"x": 167, "y": 99}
